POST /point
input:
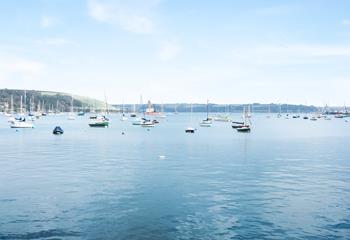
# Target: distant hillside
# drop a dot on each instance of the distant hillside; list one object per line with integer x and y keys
{"x": 46, "y": 100}
{"x": 256, "y": 107}
{"x": 62, "y": 101}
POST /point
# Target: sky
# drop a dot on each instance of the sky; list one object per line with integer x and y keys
{"x": 179, "y": 51}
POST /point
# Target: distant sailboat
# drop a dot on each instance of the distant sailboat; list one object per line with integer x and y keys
{"x": 222, "y": 117}
{"x": 11, "y": 116}
{"x": 133, "y": 114}
{"x": 71, "y": 115}
{"x": 207, "y": 122}
{"x": 190, "y": 129}
{"x": 147, "y": 123}
{"x": 100, "y": 120}
{"x": 245, "y": 126}
{"x": 21, "y": 121}
{"x": 279, "y": 115}
{"x": 162, "y": 114}
{"x": 269, "y": 111}
{"x": 123, "y": 118}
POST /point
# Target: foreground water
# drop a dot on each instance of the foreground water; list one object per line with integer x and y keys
{"x": 287, "y": 179}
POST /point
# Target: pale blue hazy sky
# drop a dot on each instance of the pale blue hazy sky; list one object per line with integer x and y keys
{"x": 179, "y": 50}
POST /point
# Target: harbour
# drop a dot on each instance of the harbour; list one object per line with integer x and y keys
{"x": 285, "y": 177}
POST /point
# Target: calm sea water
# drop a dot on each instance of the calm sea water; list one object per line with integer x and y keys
{"x": 287, "y": 179}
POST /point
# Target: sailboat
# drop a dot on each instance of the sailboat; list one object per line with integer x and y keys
{"x": 147, "y": 123}
{"x": 175, "y": 110}
{"x": 313, "y": 118}
{"x": 71, "y": 115}
{"x": 100, "y": 120}
{"x": 269, "y": 111}
{"x": 133, "y": 114}
{"x": 222, "y": 117}
{"x": 162, "y": 114}
{"x": 190, "y": 129}
{"x": 245, "y": 126}
{"x": 21, "y": 121}
{"x": 144, "y": 122}
{"x": 139, "y": 121}
{"x": 207, "y": 122}
{"x": 82, "y": 111}
{"x": 279, "y": 115}
{"x": 123, "y": 118}
{"x": 250, "y": 111}
{"x": 11, "y": 117}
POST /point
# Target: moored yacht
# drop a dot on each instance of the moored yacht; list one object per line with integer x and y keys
{"x": 208, "y": 121}
{"x": 71, "y": 115}
{"x": 99, "y": 121}
{"x": 147, "y": 123}
{"x": 245, "y": 126}
{"x": 190, "y": 129}
{"x": 21, "y": 123}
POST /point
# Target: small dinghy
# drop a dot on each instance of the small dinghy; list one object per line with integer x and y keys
{"x": 190, "y": 130}
{"x": 58, "y": 130}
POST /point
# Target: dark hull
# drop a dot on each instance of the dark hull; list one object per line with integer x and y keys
{"x": 98, "y": 124}
{"x": 243, "y": 129}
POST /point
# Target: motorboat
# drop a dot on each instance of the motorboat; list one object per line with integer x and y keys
{"x": 21, "y": 123}
{"x": 138, "y": 121}
{"x": 100, "y": 121}
{"x": 147, "y": 123}
{"x": 58, "y": 130}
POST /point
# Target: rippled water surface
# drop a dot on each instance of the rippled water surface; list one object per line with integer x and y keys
{"x": 287, "y": 179}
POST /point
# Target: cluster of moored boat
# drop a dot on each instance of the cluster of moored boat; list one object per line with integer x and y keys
{"x": 150, "y": 116}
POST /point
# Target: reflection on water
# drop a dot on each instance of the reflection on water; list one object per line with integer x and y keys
{"x": 285, "y": 179}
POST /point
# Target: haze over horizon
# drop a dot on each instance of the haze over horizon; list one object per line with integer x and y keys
{"x": 226, "y": 51}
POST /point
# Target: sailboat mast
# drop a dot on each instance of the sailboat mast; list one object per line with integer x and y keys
{"x": 123, "y": 106}
{"x": 191, "y": 114}
{"x": 11, "y": 104}
{"x": 71, "y": 105}
{"x": 106, "y": 104}
{"x": 207, "y": 108}
{"x": 21, "y": 105}
{"x": 25, "y": 100}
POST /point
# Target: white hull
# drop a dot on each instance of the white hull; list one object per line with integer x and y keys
{"x": 206, "y": 123}
{"x": 147, "y": 124}
{"x": 22, "y": 125}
